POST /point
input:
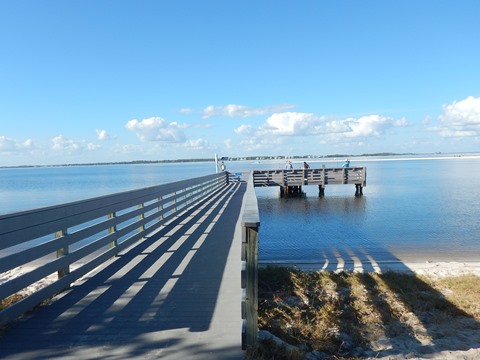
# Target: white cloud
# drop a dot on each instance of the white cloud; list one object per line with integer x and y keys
{"x": 8, "y": 145}
{"x": 68, "y": 146}
{"x": 198, "y": 144}
{"x": 156, "y": 129}
{"x": 460, "y": 118}
{"x": 102, "y": 135}
{"x": 370, "y": 126}
{"x": 27, "y": 144}
{"x": 186, "y": 111}
{"x": 259, "y": 143}
{"x": 61, "y": 143}
{"x": 282, "y": 128}
{"x": 291, "y": 123}
{"x": 303, "y": 124}
{"x": 241, "y": 111}
{"x": 245, "y": 130}
{"x": 336, "y": 126}
{"x": 92, "y": 146}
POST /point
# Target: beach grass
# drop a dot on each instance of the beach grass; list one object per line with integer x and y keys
{"x": 343, "y": 315}
{"x": 9, "y": 300}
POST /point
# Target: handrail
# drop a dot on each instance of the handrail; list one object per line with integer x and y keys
{"x": 250, "y": 225}
{"x": 356, "y": 175}
{"x": 74, "y": 238}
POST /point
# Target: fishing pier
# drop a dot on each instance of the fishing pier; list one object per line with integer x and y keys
{"x": 291, "y": 181}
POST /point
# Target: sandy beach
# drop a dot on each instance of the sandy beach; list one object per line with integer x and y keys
{"x": 435, "y": 268}
{"x": 457, "y": 338}
{"x": 460, "y": 341}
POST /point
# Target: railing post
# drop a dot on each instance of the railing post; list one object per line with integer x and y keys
{"x": 251, "y": 243}
{"x": 250, "y": 225}
{"x": 160, "y": 208}
{"x": 324, "y": 180}
{"x": 174, "y": 201}
{"x": 112, "y": 229}
{"x": 140, "y": 218}
{"x": 64, "y": 251}
{"x": 345, "y": 175}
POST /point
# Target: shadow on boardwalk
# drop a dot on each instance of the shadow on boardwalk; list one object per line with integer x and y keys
{"x": 174, "y": 295}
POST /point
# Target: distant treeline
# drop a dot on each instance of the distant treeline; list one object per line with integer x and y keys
{"x": 316, "y": 156}
{"x": 239, "y": 158}
{"x": 135, "y": 162}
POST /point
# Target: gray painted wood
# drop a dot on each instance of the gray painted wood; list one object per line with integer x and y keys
{"x": 321, "y": 176}
{"x": 250, "y": 225}
{"x": 87, "y": 233}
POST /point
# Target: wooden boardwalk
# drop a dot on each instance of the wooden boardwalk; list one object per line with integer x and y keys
{"x": 174, "y": 295}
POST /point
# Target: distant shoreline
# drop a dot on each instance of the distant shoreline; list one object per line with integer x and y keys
{"x": 311, "y": 158}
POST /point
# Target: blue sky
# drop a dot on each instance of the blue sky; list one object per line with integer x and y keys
{"x": 98, "y": 81}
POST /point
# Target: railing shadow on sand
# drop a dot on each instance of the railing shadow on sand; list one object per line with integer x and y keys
{"x": 417, "y": 319}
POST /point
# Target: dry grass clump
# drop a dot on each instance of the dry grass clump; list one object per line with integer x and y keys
{"x": 9, "y": 300}
{"x": 462, "y": 291}
{"x": 346, "y": 315}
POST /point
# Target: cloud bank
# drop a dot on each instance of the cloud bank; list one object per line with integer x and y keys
{"x": 60, "y": 143}
{"x": 280, "y": 126}
{"x": 157, "y": 129}
{"x": 9, "y": 146}
{"x": 241, "y": 111}
{"x": 269, "y": 129}
{"x": 460, "y": 118}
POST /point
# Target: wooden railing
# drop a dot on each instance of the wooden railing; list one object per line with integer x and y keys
{"x": 250, "y": 225}
{"x": 69, "y": 240}
{"x": 321, "y": 176}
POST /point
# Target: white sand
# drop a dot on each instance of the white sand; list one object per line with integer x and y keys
{"x": 461, "y": 341}
{"x": 428, "y": 268}
{"x": 435, "y": 268}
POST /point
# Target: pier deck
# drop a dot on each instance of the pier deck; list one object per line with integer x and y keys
{"x": 174, "y": 295}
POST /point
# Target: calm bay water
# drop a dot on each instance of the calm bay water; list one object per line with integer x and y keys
{"x": 27, "y": 188}
{"x": 411, "y": 210}
{"x": 421, "y": 209}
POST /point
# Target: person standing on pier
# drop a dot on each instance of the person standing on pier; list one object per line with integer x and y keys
{"x": 288, "y": 165}
{"x": 305, "y": 165}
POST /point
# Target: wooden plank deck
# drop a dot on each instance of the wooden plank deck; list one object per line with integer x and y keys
{"x": 175, "y": 295}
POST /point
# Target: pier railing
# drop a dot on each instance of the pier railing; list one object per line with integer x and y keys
{"x": 250, "y": 225}
{"x": 292, "y": 180}
{"x": 321, "y": 176}
{"x": 68, "y": 241}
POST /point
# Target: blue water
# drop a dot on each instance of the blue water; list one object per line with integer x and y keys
{"x": 410, "y": 210}
{"x": 421, "y": 209}
{"x": 27, "y": 188}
